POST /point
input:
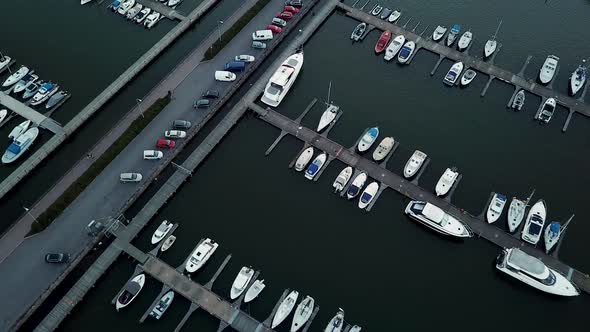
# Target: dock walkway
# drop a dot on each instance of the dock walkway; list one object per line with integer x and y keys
{"x": 30, "y": 114}
{"x": 161, "y": 8}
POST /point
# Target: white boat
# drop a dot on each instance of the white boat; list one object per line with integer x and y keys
{"x": 83, "y": 2}
{"x": 357, "y": 184}
{"x": 548, "y": 110}
{"x": 468, "y": 76}
{"x": 161, "y": 231}
{"x": 455, "y": 29}
{"x": 163, "y": 305}
{"x": 130, "y": 292}
{"x": 439, "y": 33}
{"x": 578, "y": 78}
{"x": 142, "y": 15}
{"x": 453, "y": 74}
{"x": 45, "y": 91}
{"x": 24, "y": 82}
{"x": 168, "y": 243}
{"x": 465, "y": 40}
{"x": 336, "y": 324}
{"x": 376, "y": 10}
{"x": 394, "y": 16}
{"x": 201, "y": 255}
{"x": 406, "y": 52}
{"x": 548, "y": 70}
{"x": 20, "y": 145}
{"x": 496, "y": 207}
{"x": 446, "y": 181}
{"x": 303, "y": 159}
{"x": 285, "y": 308}
{"x": 414, "y": 163}
{"x": 327, "y": 117}
{"x": 315, "y": 166}
{"x": 172, "y": 3}
{"x": 355, "y": 328}
{"x": 241, "y": 282}
{"x": 368, "y": 195}
{"x": 533, "y": 272}
{"x": 342, "y": 179}
{"x": 368, "y": 139}
{"x": 281, "y": 81}
{"x": 358, "y": 31}
{"x": 131, "y": 13}
{"x": 16, "y": 76}
{"x": 125, "y": 6}
{"x": 383, "y": 148}
{"x": 491, "y": 44}
{"x": 534, "y": 223}
{"x": 19, "y": 130}
{"x": 254, "y": 290}
{"x": 302, "y": 313}
{"x": 435, "y": 218}
{"x": 32, "y": 89}
{"x": 553, "y": 233}
{"x": 394, "y": 47}
{"x": 518, "y": 101}
{"x": 515, "y": 213}
{"x": 152, "y": 19}
{"x": 4, "y": 61}
{"x": 3, "y": 114}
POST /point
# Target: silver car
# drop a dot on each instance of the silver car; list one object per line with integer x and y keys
{"x": 130, "y": 177}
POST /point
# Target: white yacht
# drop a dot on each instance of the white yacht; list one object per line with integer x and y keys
{"x": 315, "y": 166}
{"x": 465, "y": 40}
{"x": 368, "y": 195}
{"x": 161, "y": 231}
{"x": 435, "y": 218}
{"x": 163, "y": 305}
{"x": 342, "y": 179}
{"x": 285, "y": 308}
{"x": 368, "y": 139}
{"x": 394, "y": 16}
{"x": 496, "y": 207}
{"x": 548, "y": 110}
{"x": 414, "y": 163}
{"x": 467, "y": 77}
{"x": 578, "y": 78}
{"x": 241, "y": 282}
{"x": 515, "y": 213}
{"x": 130, "y": 292}
{"x": 302, "y": 313}
{"x": 16, "y": 76}
{"x": 446, "y": 181}
{"x": 530, "y": 270}
{"x": 383, "y": 148}
{"x": 282, "y": 80}
{"x": 125, "y": 6}
{"x": 548, "y": 70}
{"x": 439, "y": 33}
{"x": 327, "y": 117}
{"x": 535, "y": 221}
{"x": 406, "y": 52}
{"x": 168, "y": 243}
{"x": 254, "y": 290}
{"x": 303, "y": 159}
{"x": 357, "y": 184}
{"x": 47, "y": 90}
{"x": 453, "y": 74}
{"x": 394, "y": 47}
{"x": 19, "y": 130}
{"x": 25, "y": 82}
{"x": 20, "y": 145}
{"x": 201, "y": 255}
{"x": 336, "y": 324}
{"x": 4, "y": 61}
{"x": 152, "y": 19}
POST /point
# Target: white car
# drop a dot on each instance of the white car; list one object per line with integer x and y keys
{"x": 245, "y": 58}
{"x": 224, "y": 76}
{"x": 262, "y": 35}
{"x": 175, "y": 134}
{"x": 130, "y": 177}
{"x": 152, "y": 154}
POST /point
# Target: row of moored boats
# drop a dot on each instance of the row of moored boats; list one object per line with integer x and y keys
{"x": 139, "y": 13}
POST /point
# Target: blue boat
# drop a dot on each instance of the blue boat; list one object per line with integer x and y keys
{"x": 368, "y": 139}
{"x": 455, "y": 29}
{"x": 115, "y": 5}
{"x": 315, "y": 166}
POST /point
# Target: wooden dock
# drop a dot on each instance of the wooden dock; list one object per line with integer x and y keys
{"x": 30, "y": 114}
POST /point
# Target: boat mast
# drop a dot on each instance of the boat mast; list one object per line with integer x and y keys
{"x": 567, "y": 223}
{"x": 497, "y": 29}
{"x": 328, "y": 101}
{"x": 530, "y": 197}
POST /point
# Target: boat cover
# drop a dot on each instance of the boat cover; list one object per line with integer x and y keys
{"x": 14, "y": 148}
{"x": 526, "y": 262}
{"x": 433, "y": 213}
{"x": 555, "y": 227}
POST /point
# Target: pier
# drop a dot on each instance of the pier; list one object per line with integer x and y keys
{"x": 30, "y": 114}
{"x": 161, "y": 8}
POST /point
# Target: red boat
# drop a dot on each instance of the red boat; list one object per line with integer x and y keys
{"x": 382, "y": 42}
{"x": 285, "y": 15}
{"x": 274, "y": 28}
{"x": 291, "y": 9}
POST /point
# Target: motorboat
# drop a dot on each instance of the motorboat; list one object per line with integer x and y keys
{"x": 453, "y": 74}
{"x": 533, "y": 272}
{"x": 368, "y": 195}
{"x": 368, "y": 139}
{"x": 355, "y": 328}
{"x": 172, "y": 3}
{"x": 4, "y": 61}
{"x": 342, "y": 179}
{"x": 302, "y": 313}
{"x": 455, "y": 29}
{"x": 125, "y": 6}
{"x": 24, "y": 82}
{"x": 315, "y": 166}
{"x": 83, "y": 2}
{"x": 19, "y": 130}
{"x": 578, "y": 78}
{"x": 303, "y": 159}
{"x": 20, "y": 144}
{"x": 336, "y": 324}
{"x": 490, "y": 46}
{"x": 56, "y": 98}
{"x": 465, "y": 40}
{"x": 382, "y": 42}
{"x": 201, "y": 255}
{"x": 241, "y": 282}
{"x": 394, "y": 16}
{"x": 131, "y": 13}
{"x": 3, "y": 114}
{"x": 45, "y": 91}
{"x": 152, "y": 19}
{"x": 282, "y": 80}
{"x": 383, "y": 148}
{"x": 468, "y": 76}
{"x": 548, "y": 110}
{"x": 446, "y": 181}
{"x": 16, "y": 76}
{"x": 406, "y": 52}
{"x": 534, "y": 223}
{"x": 168, "y": 243}
{"x": 254, "y": 290}
{"x": 142, "y": 15}
{"x": 131, "y": 291}
{"x": 376, "y": 10}
{"x": 496, "y": 207}
{"x": 394, "y": 47}
{"x": 518, "y": 101}
{"x": 357, "y": 184}
{"x": 435, "y": 218}
{"x": 115, "y": 5}
{"x": 327, "y": 117}
{"x": 414, "y": 163}
{"x": 515, "y": 213}
{"x": 358, "y": 31}
{"x": 32, "y": 89}
{"x": 162, "y": 231}
{"x": 285, "y": 308}
{"x": 548, "y": 70}
{"x": 162, "y": 305}
{"x": 439, "y": 33}
{"x": 385, "y": 13}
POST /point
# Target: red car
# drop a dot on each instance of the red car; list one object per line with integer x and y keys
{"x": 285, "y": 15}
{"x": 291, "y": 9}
{"x": 274, "y": 28}
{"x": 165, "y": 143}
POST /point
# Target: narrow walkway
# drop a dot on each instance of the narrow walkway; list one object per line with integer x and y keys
{"x": 30, "y": 114}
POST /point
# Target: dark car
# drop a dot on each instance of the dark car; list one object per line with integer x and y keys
{"x": 181, "y": 124}
{"x": 211, "y": 94}
{"x": 202, "y": 103}
{"x": 294, "y": 3}
{"x": 57, "y": 258}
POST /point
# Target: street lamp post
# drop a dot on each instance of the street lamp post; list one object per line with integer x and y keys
{"x": 137, "y": 102}
{"x": 30, "y": 214}
{"x": 219, "y": 23}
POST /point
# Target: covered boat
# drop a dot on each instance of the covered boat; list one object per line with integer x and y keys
{"x": 357, "y": 184}
{"x": 315, "y": 166}
{"x": 406, "y": 52}
{"x": 435, "y": 218}
{"x": 303, "y": 159}
{"x": 130, "y": 292}
{"x": 383, "y": 148}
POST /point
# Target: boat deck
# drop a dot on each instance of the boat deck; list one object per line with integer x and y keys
{"x": 30, "y": 114}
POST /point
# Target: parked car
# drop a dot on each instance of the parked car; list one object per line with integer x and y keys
{"x": 175, "y": 134}
{"x": 152, "y": 154}
{"x": 57, "y": 258}
{"x": 257, "y": 44}
{"x": 235, "y": 66}
{"x": 294, "y": 3}
{"x": 202, "y": 103}
{"x": 245, "y": 58}
{"x": 224, "y": 76}
{"x": 291, "y": 9}
{"x": 130, "y": 177}
{"x": 181, "y": 124}
{"x": 165, "y": 143}
{"x": 285, "y": 15}
{"x": 279, "y": 22}
{"x": 275, "y": 29}
{"x": 262, "y": 35}
{"x": 94, "y": 227}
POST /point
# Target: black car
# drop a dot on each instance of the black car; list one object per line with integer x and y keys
{"x": 57, "y": 258}
{"x": 181, "y": 124}
{"x": 211, "y": 94}
{"x": 294, "y": 3}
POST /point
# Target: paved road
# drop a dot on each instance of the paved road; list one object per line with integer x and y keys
{"x": 106, "y": 194}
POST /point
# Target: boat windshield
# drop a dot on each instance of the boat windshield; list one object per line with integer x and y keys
{"x": 535, "y": 229}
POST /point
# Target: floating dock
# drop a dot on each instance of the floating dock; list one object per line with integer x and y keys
{"x": 30, "y": 114}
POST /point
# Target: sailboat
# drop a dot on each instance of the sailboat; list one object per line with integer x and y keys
{"x": 491, "y": 44}
{"x": 578, "y": 78}
{"x": 516, "y": 211}
{"x": 329, "y": 114}
{"x": 553, "y": 232}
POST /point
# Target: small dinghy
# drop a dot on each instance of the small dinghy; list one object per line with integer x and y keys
{"x": 414, "y": 163}
{"x": 385, "y": 13}
{"x": 163, "y": 305}
{"x": 383, "y": 148}
{"x": 315, "y": 166}
{"x": 453, "y": 74}
{"x": 342, "y": 179}
{"x": 358, "y": 31}
{"x": 368, "y": 139}
{"x": 241, "y": 282}
{"x": 439, "y": 33}
{"x": 446, "y": 181}
{"x": 465, "y": 40}
{"x": 496, "y": 207}
{"x": 254, "y": 290}
{"x": 393, "y": 48}
{"x": 131, "y": 291}
{"x": 285, "y": 309}
{"x": 406, "y": 52}
{"x": 161, "y": 231}
{"x": 336, "y": 323}
{"x": 303, "y": 159}
{"x": 548, "y": 110}
{"x": 376, "y": 10}
{"x": 394, "y": 16}
{"x": 518, "y": 101}
{"x": 357, "y": 184}
{"x": 467, "y": 77}
{"x": 302, "y": 313}
{"x": 368, "y": 195}
{"x": 20, "y": 129}
{"x": 168, "y": 243}
{"x": 16, "y": 76}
